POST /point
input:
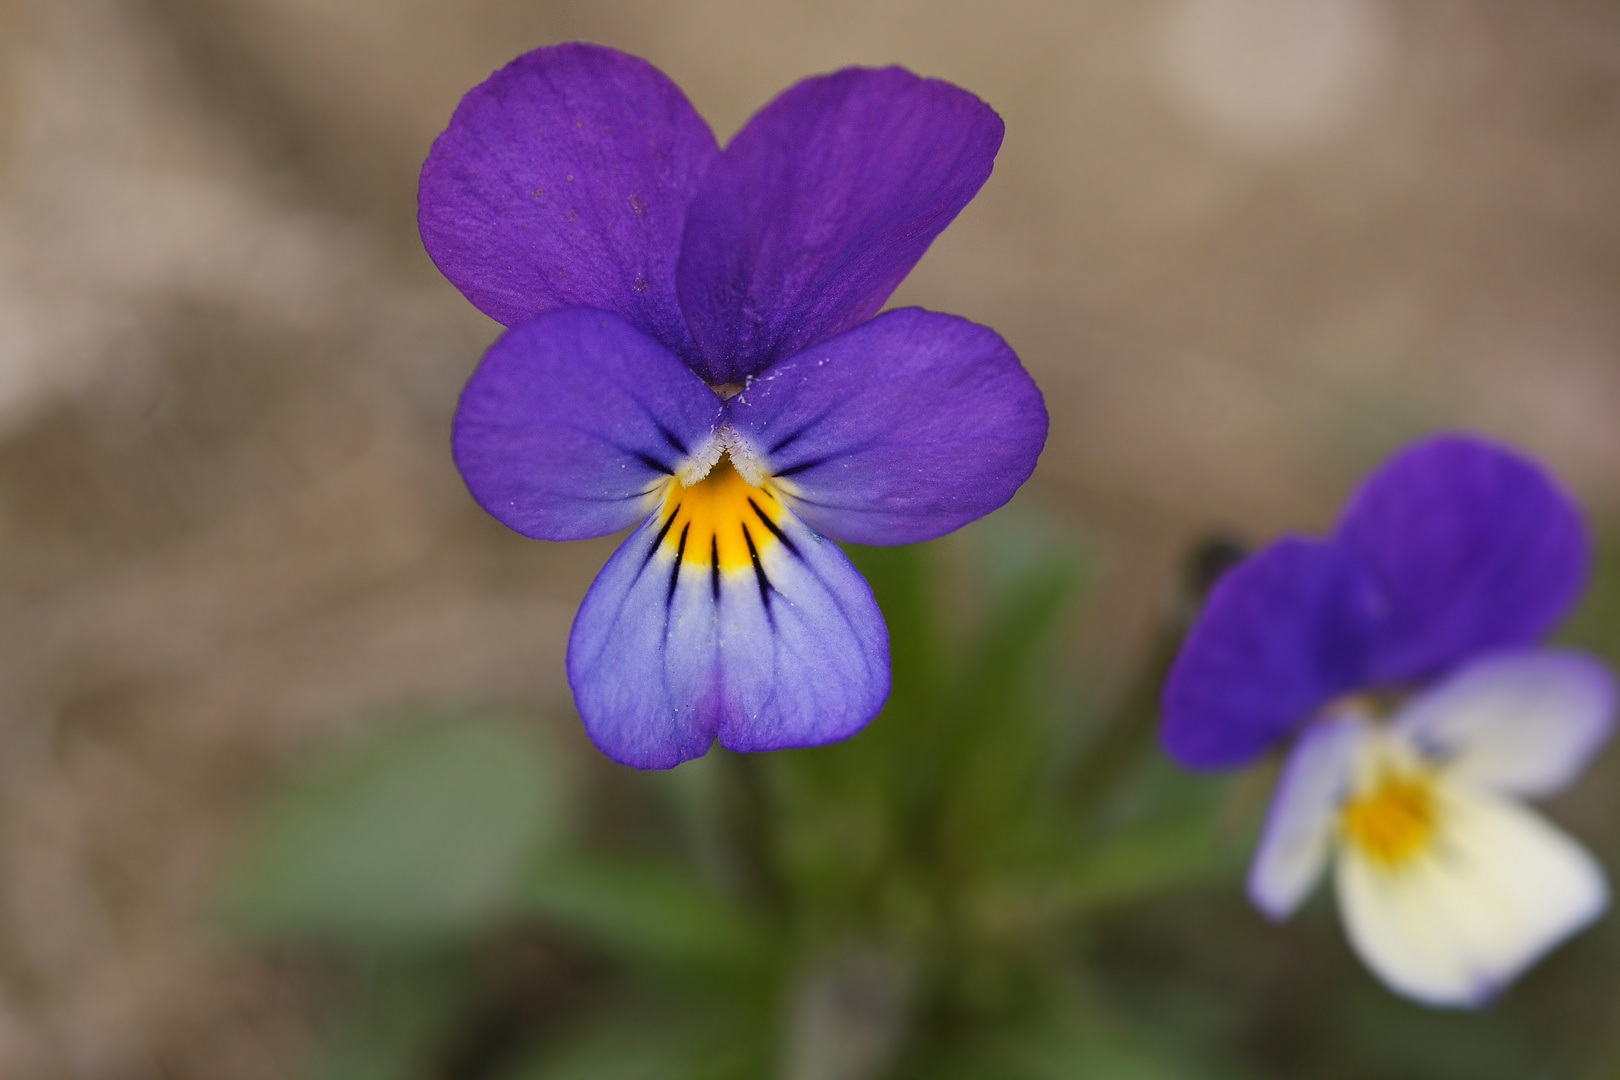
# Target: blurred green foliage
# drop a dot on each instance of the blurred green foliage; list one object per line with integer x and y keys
{"x": 997, "y": 878}
{"x": 415, "y": 835}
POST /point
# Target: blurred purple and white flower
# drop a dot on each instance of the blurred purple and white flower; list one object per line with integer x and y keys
{"x": 1403, "y": 652}
{"x": 693, "y": 352}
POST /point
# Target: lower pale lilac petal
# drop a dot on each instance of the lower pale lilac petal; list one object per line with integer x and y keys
{"x": 1475, "y": 547}
{"x": 1282, "y": 634}
{"x": 1452, "y": 927}
{"x": 574, "y": 423}
{"x": 1297, "y": 840}
{"x": 804, "y": 650}
{"x": 723, "y": 615}
{"x": 642, "y": 656}
{"x": 1524, "y": 723}
{"x": 897, "y": 431}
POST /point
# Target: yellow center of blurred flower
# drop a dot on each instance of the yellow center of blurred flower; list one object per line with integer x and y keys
{"x": 1394, "y": 821}
{"x": 722, "y": 520}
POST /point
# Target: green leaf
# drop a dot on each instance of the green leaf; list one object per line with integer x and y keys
{"x": 414, "y": 834}
{"x": 641, "y": 1047}
{"x": 903, "y": 581}
{"x": 608, "y": 1055}
{"x": 398, "y": 1024}
{"x": 1103, "y": 1051}
{"x": 646, "y": 912}
{"x": 1000, "y": 741}
{"x": 1150, "y": 860}
{"x": 1070, "y": 1036}
{"x": 1020, "y": 632}
{"x": 1138, "y": 862}
{"x": 1595, "y": 623}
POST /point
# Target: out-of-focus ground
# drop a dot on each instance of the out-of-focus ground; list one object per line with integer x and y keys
{"x": 1245, "y": 247}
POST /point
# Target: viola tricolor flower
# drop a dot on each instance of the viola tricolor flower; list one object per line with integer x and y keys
{"x": 693, "y": 352}
{"x": 1402, "y": 652}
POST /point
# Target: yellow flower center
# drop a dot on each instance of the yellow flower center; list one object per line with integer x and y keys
{"x": 721, "y": 521}
{"x": 1394, "y": 821}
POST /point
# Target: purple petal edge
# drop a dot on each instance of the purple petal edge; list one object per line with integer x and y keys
{"x": 1282, "y": 634}
{"x": 899, "y": 430}
{"x": 574, "y": 421}
{"x": 1474, "y": 546}
{"x": 563, "y": 179}
{"x": 820, "y": 205}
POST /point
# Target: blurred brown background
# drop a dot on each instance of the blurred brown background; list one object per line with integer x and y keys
{"x": 1245, "y": 247}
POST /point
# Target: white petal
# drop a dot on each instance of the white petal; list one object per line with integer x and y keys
{"x": 1497, "y": 888}
{"x": 1521, "y": 722}
{"x": 1293, "y": 848}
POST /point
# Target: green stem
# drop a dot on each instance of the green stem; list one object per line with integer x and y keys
{"x": 1128, "y": 734}
{"x": 747, "y": 816}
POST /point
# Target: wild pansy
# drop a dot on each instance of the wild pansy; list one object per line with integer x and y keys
{"x": 1402, "y": 651}
{"x": 693, "y": 351}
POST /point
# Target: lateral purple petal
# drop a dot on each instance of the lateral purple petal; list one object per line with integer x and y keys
{"x": 902, "y": 429}
{"x": 1283, "y": 633}
{"x": 820, "y": 205}
{"x": 671, "y": 650}
{"x": 574, "y": 422}
{"x": 1474, "y": 547}
{"x": 563, "y": 179}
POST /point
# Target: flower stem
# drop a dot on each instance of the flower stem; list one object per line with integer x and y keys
{"x": 1128, "y": 733}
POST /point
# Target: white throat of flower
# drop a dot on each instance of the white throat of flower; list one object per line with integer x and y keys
{"x": 727, "y": 441}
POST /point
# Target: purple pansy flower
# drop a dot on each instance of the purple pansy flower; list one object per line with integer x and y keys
{"x": 693, "y": 351}
{"x": 1402, "y": 651}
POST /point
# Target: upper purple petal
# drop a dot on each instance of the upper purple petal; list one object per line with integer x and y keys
{"x": 902, "y": 429}
{"x": 574, "y": 422}
{"x": 1283, "y": 633}
{"x": 1474, "y": 547}
{"x": 563, "y": 179}
{"x": 820, "y": 205}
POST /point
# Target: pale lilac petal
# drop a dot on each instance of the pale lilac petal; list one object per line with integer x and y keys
{"x": 641, "y": 656}
{"x": 1524, "y": 723}
{"x": 804, "y": 652}
{"x": 1298, "y": 835}
{"x": 678, "y": 642}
